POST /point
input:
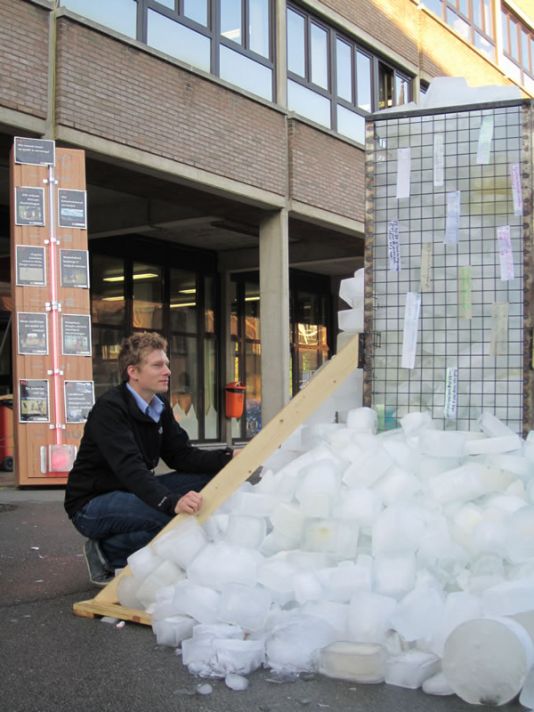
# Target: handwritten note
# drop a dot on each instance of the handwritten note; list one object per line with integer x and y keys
{"x": 439, "y": 160}
{"x": 517, "y": 193}
{"x": 425, "y": 276}
{"x": 393, "y": 246}
{"x": 451, "y": 393}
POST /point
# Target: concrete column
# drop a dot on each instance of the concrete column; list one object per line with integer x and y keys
{"x": 280, "y": 52}
{"x": 274, "y": 301}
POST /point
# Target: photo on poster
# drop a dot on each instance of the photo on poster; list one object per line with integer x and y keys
{"x": 79, "y": 399}
{"x": 34, "y": 403}
{"x": 29, "y": 206}
{"x": 72, "y": 208}
{"x": 76, "y": 334}
{"x": 74, "y": 268}
{"x": 30, "y": 266}
{"x": 32, "y": 333}
{"x": 35, "y": 151}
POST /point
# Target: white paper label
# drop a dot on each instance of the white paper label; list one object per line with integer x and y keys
{"x": 451, "y": 393}
{"x": 484, "y": 140}
{"x": 426, "y": 267}
{"x": 439, "y": 160}
{"x": 506, "y": 256}
{"x": 411, "y": 325}
{"x": 393, "y": 246}
{"x": 517, "y": 194}
{"x": 453, "y": 217}
{"x": 499, "y": 330}
{"x": 404, "y": 161}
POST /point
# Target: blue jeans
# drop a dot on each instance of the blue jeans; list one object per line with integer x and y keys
{"x": 122, "y": 523}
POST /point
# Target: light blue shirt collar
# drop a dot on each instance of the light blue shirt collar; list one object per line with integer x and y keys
{"x": 153, "y": 409}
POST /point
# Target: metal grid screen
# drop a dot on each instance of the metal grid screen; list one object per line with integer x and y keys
{"x": 447, "y": 203}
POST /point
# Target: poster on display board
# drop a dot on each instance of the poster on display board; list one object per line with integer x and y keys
{"x": 76, "y": 334}
{"x": 30, "y": 266}
{"x": 34, "y": 401}
{"x": 32, "y": 333}
{"x": 79, "y": 399}
{"x": 29, "y": 206}
{"x": 72, "y": 208}
{"x": 35, "y": 151}
{"x": 74, "y": 268}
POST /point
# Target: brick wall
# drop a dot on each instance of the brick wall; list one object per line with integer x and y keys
{"x": 124, "y": 94}
{"x": 325, "y": 172}
{"x": 23, "y": 57}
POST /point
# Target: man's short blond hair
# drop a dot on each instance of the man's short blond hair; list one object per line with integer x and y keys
{"x": 136, "y": 348}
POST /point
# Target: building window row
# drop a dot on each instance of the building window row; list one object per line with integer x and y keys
{"x": 518, "y": 48}
{"x": 331, "y": 79}
{"x": 471, "y": 19}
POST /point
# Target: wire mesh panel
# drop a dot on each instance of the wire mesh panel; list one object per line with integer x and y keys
{"x": 447, "y": 241}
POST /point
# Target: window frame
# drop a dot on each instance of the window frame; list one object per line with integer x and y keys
{"x": 454, "y": 6}
{"x": 509, "y": 18}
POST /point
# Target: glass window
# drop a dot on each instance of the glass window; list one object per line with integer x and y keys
{"x": 119, "y": 15}
{"x": 319, "y": 56}
{"x": 351, "y": 124}
{"x": 514, "y": 50}
{"x": 246, "y": 73}
{"x": 505, "y": 37}
{"x": 484, "y": 45}
{"x": 308, "y": 103}
{"x": 363, "y": 76}
{"x": 434, "y": 5}
{"x": 231, "y": 20}
{"x": 184, "y": 383}
{"x": 524, "y": 50}
{"x": 147, "y": 296}
{"x": 296, "y": 55}
{"x": 344, "y": 70}
{"x": 402, "y": 90}
{"x": 259, "y": 27}
{"x": 177, "y": 40}
{"x": 107, "y": 290}
{"x": 183, "y": 301}
{"x": 196, "y": 10}
{"x": 171, "y": 4}
{"x": 106, "y": 346}
{"x": 253, "y": 392}
{"x": 385, "y": 87}
{"x": 460, "y": 26}
{"x": 209, "y": 305}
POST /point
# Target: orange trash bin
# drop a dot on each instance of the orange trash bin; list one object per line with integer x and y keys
{"x": 234, "y": 399}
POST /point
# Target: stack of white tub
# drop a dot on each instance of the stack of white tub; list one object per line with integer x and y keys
{"x": 405, "y": 557}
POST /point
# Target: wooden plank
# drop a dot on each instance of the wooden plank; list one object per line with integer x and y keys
{"x": 256, "y": 452}
{"x": 87, "y": 609}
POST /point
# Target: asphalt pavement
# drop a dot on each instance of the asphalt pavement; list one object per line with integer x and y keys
{"x": 54, "y": 661}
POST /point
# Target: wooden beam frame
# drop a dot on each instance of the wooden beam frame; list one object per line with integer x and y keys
{"x": 238, "y": 470}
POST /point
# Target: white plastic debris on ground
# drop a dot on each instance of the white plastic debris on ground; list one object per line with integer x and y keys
{"x": 406, "y": 556}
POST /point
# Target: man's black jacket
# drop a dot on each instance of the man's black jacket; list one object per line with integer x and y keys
{"x": 120, "y": 448}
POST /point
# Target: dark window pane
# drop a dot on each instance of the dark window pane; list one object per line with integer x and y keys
{"x": 308, "y": 103}
{"x": 107, "y": 290}
{"x": 253, "y": 392}
{"x": 184, "y": 383}
{"x": 295, "y": 43}
{"x": 363, "y": 79}
{"x": 209, "y": 305}
{"x": 177, "y": 40}
{"x": 147, "y": 296}
{"x": 319, "y": 56}
{"x": 385, "y": 87}
{"x": 259, "y": 27}
{"x": 120, "y": 15}
{"x": 231, "y": 20}
{"x": 344, "y": 70}
{"x": 246, "y": 73}
{"x": 252, "y": 311}
{"x": 196, "y": 10}
{"x": 106, "y": 346}
{"x": 350, "y": 124}
{"x": 183, "y": 301}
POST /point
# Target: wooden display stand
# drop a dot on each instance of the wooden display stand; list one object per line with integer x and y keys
{"x": 270, "y": 438}
{"x": 52, "y": 365}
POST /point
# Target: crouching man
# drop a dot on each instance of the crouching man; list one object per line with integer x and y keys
{"x": 113, "y": 496}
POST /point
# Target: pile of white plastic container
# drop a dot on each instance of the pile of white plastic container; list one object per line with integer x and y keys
{"x": 405, "y": 557}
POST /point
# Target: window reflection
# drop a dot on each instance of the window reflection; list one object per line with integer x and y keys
{"x": 183, "y": 301}
{"x": 308, "y": 103}
{"x": 246, "y": 73}
{"x": 344, "y": 70}
{"x": 196, "y": 10}
{"x": 259, "y": 27}
{"x": 177, "y": 40}
{"x": 107, "y": 290}
{"x": 120, "y": 15}
{"x": 295, "y": 43}
{"x": 184, "y": 383}
{"x": 351, "y": 124}
{"x": 319, "y": 56}
{"x": 363, "y": 75}
{"x": 147, "y": 297}
{"x": 231, "y": 20}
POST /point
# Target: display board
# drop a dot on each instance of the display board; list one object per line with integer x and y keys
{"x": 52, "y": 366}
{"x": 448, "y": 265}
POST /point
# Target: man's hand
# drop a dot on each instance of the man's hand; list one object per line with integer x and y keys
{"x": 190, "y": 503}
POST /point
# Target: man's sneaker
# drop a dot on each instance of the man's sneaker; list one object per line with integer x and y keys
{"x": 100, "y": 573}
